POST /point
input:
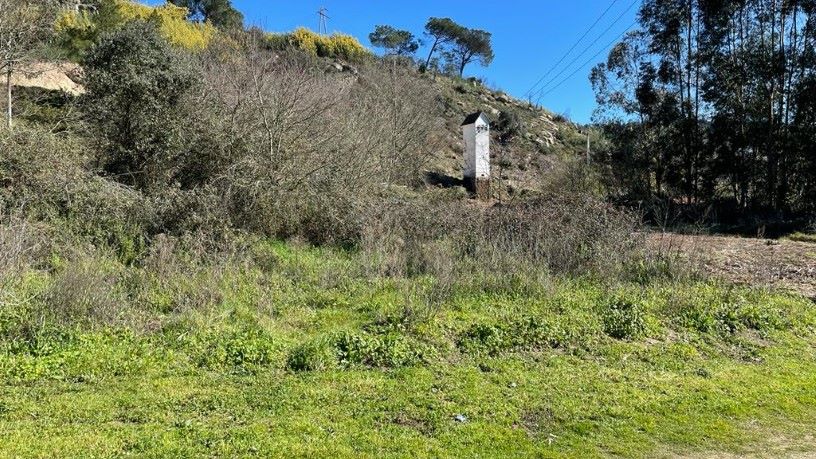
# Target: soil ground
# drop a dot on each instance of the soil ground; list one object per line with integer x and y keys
{"x": 783, "y": 264}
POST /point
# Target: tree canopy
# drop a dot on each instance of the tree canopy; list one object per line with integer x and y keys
{"x": 442, "y": 31}
{"x": 713, "y": 103}
{"x": 394, "y": 41}
{"x": 219, "y": 13}
{"x": 471, "y": 45}
{"x": 459, "y": 45}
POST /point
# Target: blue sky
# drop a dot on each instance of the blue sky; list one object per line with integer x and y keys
{"x": 529, "y": 36}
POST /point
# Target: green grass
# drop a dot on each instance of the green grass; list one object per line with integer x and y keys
{"x": 802, "y": 237}
{"x": 693, "y": 367}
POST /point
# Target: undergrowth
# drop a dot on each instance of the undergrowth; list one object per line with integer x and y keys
{"x": 583, "y": 366}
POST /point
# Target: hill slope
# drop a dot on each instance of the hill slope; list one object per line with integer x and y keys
{"x": 543, "y": 140}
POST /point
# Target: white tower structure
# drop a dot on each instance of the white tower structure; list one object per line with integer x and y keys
{"x": 476, "y": 134}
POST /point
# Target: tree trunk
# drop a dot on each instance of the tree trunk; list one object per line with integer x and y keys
{"x": 430, "y": 55}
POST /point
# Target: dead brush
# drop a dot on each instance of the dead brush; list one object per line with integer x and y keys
{"x": 19, "y": 245}
{"x": 85, "y": 292}
{"x": 552, "y": 234}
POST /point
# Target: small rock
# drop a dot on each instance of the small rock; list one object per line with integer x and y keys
{"x": 512, "y": 385}
{"x": 460, "y": 418}
{"x": 350, "y": 68}
{"x": 503, "y": 98}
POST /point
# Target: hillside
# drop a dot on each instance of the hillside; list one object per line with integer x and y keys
{"x": 221, "y": 242}
{"x": 543, "y": 140}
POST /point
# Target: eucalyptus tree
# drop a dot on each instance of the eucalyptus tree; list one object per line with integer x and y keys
{"x": 726, "y": 89}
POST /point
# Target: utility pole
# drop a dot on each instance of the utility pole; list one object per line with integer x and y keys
{"x": 321, "y": 26}
{"x": 588, "y": 152}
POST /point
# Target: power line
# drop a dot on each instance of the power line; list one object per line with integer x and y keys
{"x": 588, "y": 61}
{"x": 540, "y": 90}
{"x": 573, "y": 61}
{"x": 322, "y": 28}
{"x": 575, "y": 45}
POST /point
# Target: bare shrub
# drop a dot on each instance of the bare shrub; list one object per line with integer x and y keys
{"x": 305, "y": 150}
{"x": 85, "y": 292}
{"x": 19, "y": 244}
{"x": 566, "y": 234}
{"x": 460, "y": 241}
{"x": 399, "y": 233}
{"x": 25, "y": 26}
{"x": 403, "y": 112}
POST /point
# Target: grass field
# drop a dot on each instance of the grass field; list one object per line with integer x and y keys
{"x": 802, "y": 237}
{"x": 295, "y": 354}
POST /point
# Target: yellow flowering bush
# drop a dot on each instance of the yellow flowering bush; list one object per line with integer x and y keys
{"x": 347, "y": 47}
{"x": 78, "y": 30}
{"x": 336, "y": 45}
{"x": 305, "y": 40}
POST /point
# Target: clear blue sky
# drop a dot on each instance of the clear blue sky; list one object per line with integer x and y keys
{"x": 529, "y": 36}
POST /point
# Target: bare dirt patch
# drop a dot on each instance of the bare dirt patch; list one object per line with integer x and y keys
{"x": 784, "y": 264}
{"x": 51, "y": 76}
{"x": 772, "y": 446}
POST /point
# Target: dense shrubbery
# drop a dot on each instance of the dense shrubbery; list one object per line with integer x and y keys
{"x": 347, "y": 349}
{"x": 334, "y": 46}
{"x": 146, "y": 213}
{"x": 137, "y": 88}
{"x": 78, "y": 31}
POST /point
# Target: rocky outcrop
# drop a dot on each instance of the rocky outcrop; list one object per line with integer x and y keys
{"x": 340, "y": 67}
{"x": 65, "y": 77}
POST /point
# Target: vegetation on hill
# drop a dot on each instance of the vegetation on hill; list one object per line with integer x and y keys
{"x": 713, "y": 105}
{"x": 334, "y": 46}
{"x": 252, "y": 248}
{"x": 79, "y": 30}
{"x": 219, "y": 13}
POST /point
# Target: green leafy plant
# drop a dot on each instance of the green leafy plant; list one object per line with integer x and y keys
{"x": 624, "y": 319}
{"x": 242, "y": 351}
{"x": 316, "y": 355}
{"x": 523, "y": 333}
